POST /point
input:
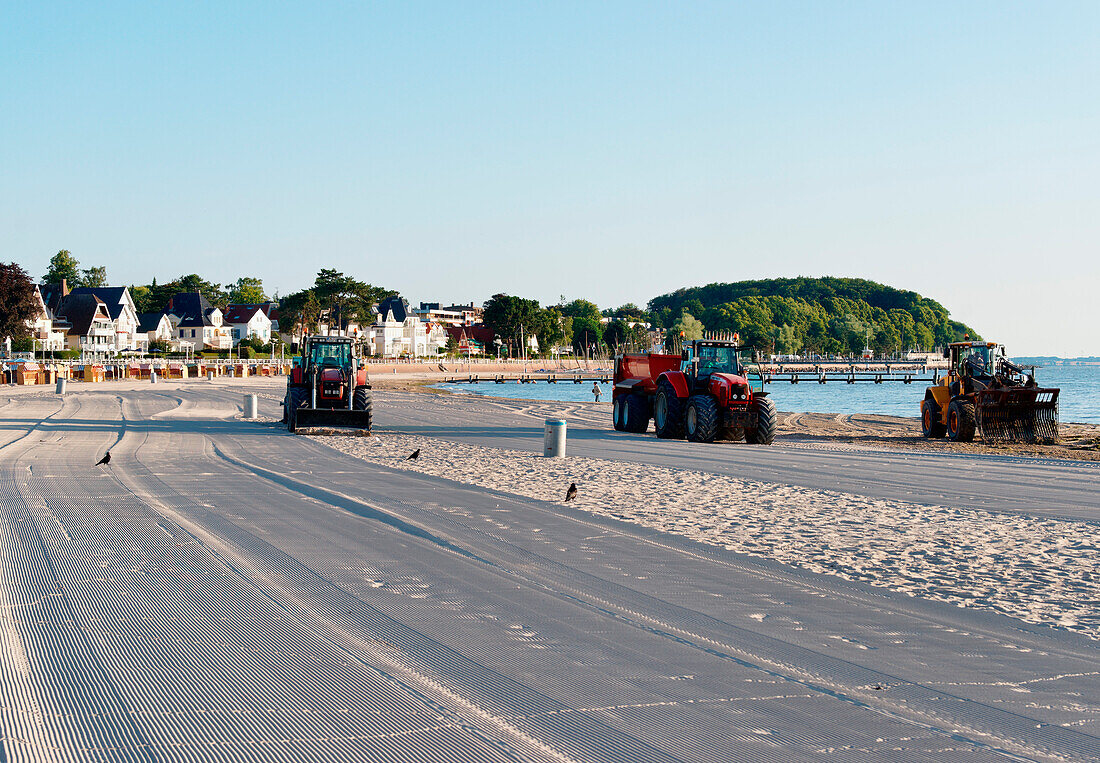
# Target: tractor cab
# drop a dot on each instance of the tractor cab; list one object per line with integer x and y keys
{"x": 704, "y": 359}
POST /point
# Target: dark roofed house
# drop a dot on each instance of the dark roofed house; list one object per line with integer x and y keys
{"x": 472, "y": 339}
{"x": 197, "y": 321}
{"x": 393, "y": 310}
{"x": 90, "y": 326}
{"x": 123, "y": 312}
{"x": 155, "y": 327}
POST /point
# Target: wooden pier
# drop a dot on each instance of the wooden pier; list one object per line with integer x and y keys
{"x": 876, "y": 373}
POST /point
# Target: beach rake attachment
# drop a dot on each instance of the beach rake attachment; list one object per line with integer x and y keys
{"x": 1018, "y": 414}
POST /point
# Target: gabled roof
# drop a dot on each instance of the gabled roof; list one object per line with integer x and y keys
{"x": 149, "y": 321}
{"x": 52, "y": 294}
{"x": 192, "y": 308}
{"x": 112, "y": 296}
{"x": 481, "y": 334}
{"x": 397, "y": 305}
{"x": 81, "y": 310}
{"x": 243, "y": 313}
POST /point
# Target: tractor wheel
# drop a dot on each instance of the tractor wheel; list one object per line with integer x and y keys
{"x": 296, "y": 398}
{"x": 635, "y": 413}
{"x": 668, "y": 412}
{"x": 701, "y": 418}
{"x": 361, "y": 401}
{"x": 767, "y": 422}
{"x": 731, "y": 434}
{"x": 930, "y": 422}
{"x": 961, "y": 421}
{"x": 618, "y": 412}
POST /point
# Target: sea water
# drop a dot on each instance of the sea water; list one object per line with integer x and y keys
{"x": 1079, "y": 400}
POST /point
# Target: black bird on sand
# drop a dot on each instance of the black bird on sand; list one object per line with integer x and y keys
{"x": 105, "y": 460}
{"x": 415, "y": 455}
{"x": 571, "y": 493}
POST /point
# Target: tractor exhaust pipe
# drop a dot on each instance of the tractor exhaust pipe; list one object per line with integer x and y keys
{"x": 351, "y": 385}
{"x": 313, "y": 389}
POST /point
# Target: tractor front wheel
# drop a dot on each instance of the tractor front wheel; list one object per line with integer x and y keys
{"x": 961, "y": 421}
{"x": 361, "y": 401}
{"x": 668, "y": 414}
{"x": 930, "y": 422}
{"x": 767, "y": 422}
{"x": 701, "y": 418}
{"x": 635, "y": 413}
{"x": 296, "y": 398}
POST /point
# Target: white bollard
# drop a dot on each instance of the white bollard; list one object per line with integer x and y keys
{"x": 152, "y": 377}
{"x": 210, "y": 376}
{"x": 554, "y": 440}
{"x": 61, "y": 382}
{"x": 250, "y": 406}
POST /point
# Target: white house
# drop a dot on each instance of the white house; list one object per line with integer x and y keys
{"x": 47, "y": 330}
{"x": 398, "y": 332}
{"x": 90, "y": 326}
{"x": 156, "y": 327}
{"x": 123, "y": 312}
{"x": 247, "y": 321}
{"x": 197, "y": 321}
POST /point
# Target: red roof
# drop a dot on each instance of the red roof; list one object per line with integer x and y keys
{"x": 241, "y": 313}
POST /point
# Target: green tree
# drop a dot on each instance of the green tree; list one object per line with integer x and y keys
{"x": 788, "y": 341}
{"x": 18, "y": 303}
{"x": 300, "y": 312}
{"x": 551, "y": 331}
{"x": 247, "y": 291}
{"x": 346, "y": 299}
{"x": 581, "y": 308}
{"x": 93, "y": 277}
{"x": 63, "y": 266}
{"x": 586, "y": 334}
{"x": 513, "y": 319}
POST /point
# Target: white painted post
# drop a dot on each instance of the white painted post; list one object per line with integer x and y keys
{"x": 250, "y": 406}
{"x": 554, "y": 439}
{"x": 152, "y": 376}
{"x": 210, "y": 376}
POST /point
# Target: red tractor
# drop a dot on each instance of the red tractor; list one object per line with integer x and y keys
{"x": 703, "y": 394}
{"x": 327, "y": 387}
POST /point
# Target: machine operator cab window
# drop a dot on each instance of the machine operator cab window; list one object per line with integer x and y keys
{"x": 333, "y": 354}
{"x": 980, "y": 360}
{"x": 718, "y": 360}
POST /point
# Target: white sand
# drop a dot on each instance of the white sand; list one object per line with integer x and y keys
{"x": 1036, "y": 569}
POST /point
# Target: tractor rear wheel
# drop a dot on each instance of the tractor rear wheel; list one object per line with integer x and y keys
{"x": 618, "y": 412}
{"x": 701, "y": 418}
{"x": 635, "y": 413}
{"x": 961, "y": 422}
{"x": 767, "y": 422}
{"x": 668, "y": 412}
{"x": 930, "y": 422}
{"x": 296, "y": 398}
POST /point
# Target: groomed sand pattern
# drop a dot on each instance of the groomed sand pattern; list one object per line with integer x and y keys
{"x": 1036, "y": 569}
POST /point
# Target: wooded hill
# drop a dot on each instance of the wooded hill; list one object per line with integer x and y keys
{"x": 795, "y": 315}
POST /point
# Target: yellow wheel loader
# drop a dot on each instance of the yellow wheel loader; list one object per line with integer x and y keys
{"x": 985, "y": 394}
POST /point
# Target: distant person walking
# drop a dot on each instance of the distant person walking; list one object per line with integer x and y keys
{"x": 596, "y": 391}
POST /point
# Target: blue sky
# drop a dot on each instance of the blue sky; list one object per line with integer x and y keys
{"x": 612, "y": 151}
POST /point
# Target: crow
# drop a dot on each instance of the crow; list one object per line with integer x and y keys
{"x": 415, "y": 455}
{"x": 105, "y": 460}
{"x": 571, "y": 493}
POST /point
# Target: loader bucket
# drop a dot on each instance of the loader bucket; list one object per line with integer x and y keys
{"x": 1018, "y": 414}
{"x": 325, "y": 418}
